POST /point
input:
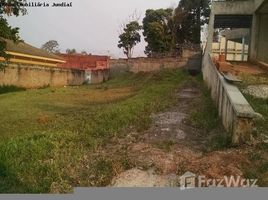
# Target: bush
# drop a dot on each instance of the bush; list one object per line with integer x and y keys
{"x": 10, "y": 88}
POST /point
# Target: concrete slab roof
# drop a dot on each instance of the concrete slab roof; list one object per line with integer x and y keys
{"x": 263, "y": 8}
{"x": 233, "y": 21}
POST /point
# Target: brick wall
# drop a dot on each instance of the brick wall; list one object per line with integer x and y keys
{"x": 30, "y": 76}
{"x": 83, "y": 62}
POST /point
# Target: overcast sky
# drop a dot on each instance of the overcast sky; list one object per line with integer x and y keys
{"x": 90, "y": 25}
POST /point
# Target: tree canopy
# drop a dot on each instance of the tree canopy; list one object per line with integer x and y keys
{"x": 166, "y": 30}
{"x": 130, "y": 37}
{"x": 71, "y": 51}
{"x": 191, "y": 15}
{"x": 9, "y": 8}
{"x": 157, "y": 31}
{"x": 52, "y": 46}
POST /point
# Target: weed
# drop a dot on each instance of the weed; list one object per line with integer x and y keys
{"x": 205, "y": 114}
{"x": 10, "y": 88}
{"x": 219, "y": 141}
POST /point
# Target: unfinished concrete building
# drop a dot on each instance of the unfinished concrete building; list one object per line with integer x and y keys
{"x": 245, "y": 22}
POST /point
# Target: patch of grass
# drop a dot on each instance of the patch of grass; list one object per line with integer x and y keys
{"x": 260, "y": 106}
{"x": 249, "y": 79}
{"x": 257, "y": 170}
{"x": 50, "y": 137}
{"x": 10, "y": 88}
{"x": 263, "y": 146}
{"x": 255, "y": 156}
{"x": 102, "y": 172}
{"x": 219, "y": 141}
{"x": 204, "y": 114}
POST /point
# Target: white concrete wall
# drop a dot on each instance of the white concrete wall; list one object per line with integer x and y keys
{"x": 236, "y": 113}
{"x": 234, "y": 50}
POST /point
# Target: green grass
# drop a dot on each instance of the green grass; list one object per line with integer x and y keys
{"x": 259, "y": 157}
{"x": 258, "y": 168}
{"x": 50, "y": 137}
{"x": 260, "y": 106}
{"x": 204, "y": 114}
{"x": 10, "y": 88}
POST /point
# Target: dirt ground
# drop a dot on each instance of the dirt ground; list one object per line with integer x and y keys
{"x": 172, "y": 147}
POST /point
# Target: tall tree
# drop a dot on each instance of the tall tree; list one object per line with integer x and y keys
{"x": 9, "y": 8}
{"x": 130, "y": 38}
{"x": 158, "y": 31}
{"x": 52, "y": 46}
{"x": 70, "y": 51}
{"x": 190, "y": 16}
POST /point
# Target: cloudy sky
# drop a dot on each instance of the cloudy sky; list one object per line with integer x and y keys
{"x": 90, "y": 25}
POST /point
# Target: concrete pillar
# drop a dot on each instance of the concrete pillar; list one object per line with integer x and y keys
{"x": 243, "y": 49}
{"x": 226, "y": 47}
{"x": 210, "y": 32}
{"x": 254, "y": 37}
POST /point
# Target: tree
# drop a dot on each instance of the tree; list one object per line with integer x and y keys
{"x": 70, "y": 51}
{"x": 189, "y": 17}
{"x": 9, "y": 8}
{"x": 52, "y": 46}
{"x": 84, "y": 53}
{"x": 130, "y": 38}
{"x": 158, "y": 31}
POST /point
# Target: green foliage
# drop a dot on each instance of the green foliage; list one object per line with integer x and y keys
{"x": 130, "y": 37}
{"x": 70, "y": 51}
{"x": 10, "y": 88}
{"x": 205, "y": 114}
{"x": 189, "y": 17}
{"x": 219, "y": 141}
{"x": 260, "y": 106}
{"x": 157, "y": 32}
{"x": 166, "y": 30}
{"x": 7, "y": 32}
{"x": 12, "y": 7}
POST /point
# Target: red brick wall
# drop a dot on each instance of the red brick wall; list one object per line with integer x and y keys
{"x": 84, "y": 62}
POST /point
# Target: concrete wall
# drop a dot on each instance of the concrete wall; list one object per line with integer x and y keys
{"x": 234, "y": 51}
{"x": 99, "y": 76}
{"x": 234, "y": 7}
{"x": 150, "y": 64}
{"x": 262, "y": 50}
{"x": 236, "y": 113}
{"x": 30, "y": 76}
